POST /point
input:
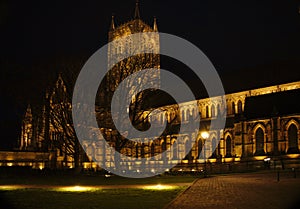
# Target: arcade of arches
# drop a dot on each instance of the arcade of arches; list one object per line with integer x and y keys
{"x": 245, "y": 136}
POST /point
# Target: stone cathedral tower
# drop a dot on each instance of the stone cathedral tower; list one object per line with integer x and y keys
{"x": 138, "y": 62}
{"x": 148, "y": 39}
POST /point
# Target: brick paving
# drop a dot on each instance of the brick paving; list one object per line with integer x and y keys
{"x": 241, "y": 191}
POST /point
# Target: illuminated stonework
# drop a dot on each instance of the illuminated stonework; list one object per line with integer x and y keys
{"x": 117, "y": 73}
{"x": 239, "y": 138}
{"x": 246, "y": 136}
{"x": 27, "y": 129}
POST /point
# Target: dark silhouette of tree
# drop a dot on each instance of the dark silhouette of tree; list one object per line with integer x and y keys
{"x": 61, "y": 126}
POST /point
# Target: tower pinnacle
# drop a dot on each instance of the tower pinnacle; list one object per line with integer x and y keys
{"x": 112, "y": 25}
{"x": 155, "y": 25}
{"x": 137, "y": 11}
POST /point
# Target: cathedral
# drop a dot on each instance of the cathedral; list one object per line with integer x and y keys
{"x": 262, "y": 124}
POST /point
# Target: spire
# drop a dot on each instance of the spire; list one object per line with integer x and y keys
{"x": 28, "y": 111}
{"x": 137, "y": 11}
{"x": 112, "y": 25}
{"x": 155, "y": 25}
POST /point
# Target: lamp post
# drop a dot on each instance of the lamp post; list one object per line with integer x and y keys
{"x": 204, "y": 136}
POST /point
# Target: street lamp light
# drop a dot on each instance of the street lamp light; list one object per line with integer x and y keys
{"x": 204, "y": 135}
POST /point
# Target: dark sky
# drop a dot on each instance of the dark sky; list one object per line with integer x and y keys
{"x": 249, "y": 31}
{"x": 251, "y": 43}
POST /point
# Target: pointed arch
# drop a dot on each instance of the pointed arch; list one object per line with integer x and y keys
{"x": 259, "y": 141}
{"x": 175, "y": 149}
{"x": 206, "y": 112}
{"x": 193, "y": 113}
{"x": 187, "y": 147}
{"x": 290, "y": 122}
{"x": 233, "y": 108}
{"x": 212, "y": 134}
{"x": 292, "y": 139}
{"x": 163, "y": 145}
{"x": 213, "y": 111}
{"x": 240, "y": 107}
{"x": 228, "y": 109}
{"x": 218, "y": 109}
{"x": 228, "y": 146}
{"x": 188, "y": 113}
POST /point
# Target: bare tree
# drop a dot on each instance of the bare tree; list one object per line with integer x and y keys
{"x": 141, "y": 105}
{"x": 59, "y": 132}
{"x": 61, "y": 125}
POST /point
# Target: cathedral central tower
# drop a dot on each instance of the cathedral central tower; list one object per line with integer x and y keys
{"x": 120, "y": 47}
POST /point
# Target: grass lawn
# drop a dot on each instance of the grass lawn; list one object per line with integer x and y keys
{"x": 119, "y": 198}
{"x": 107, "y": 198}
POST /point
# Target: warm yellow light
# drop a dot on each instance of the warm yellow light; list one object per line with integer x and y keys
{"x": 54, "y": 188}
{"x": 259, "y": 157}
{"x": 75, "y": 189}
{"x": 10, "y": 187}
{"x": 293, "y": 155}
{"x": 159, "y": 187}
{"x": 204, "y": 134}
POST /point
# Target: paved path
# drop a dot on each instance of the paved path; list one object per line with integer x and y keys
{"x": 243, "y": 191}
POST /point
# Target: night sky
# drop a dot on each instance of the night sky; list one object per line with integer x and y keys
{"x": 251, "y": 43}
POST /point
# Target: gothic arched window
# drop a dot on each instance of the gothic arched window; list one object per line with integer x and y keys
{"x": 175, "y": 150}
{"x": 259, "y": 142}
{"x": 233, "y": 108}
{"x": 228, "y": 146}
{"x": 164, "y": 146}
{"x": 187, "y": 115}
{"x": 240, "y": 108}
{"x": 213, "y": 111}
{"x": 293, "y": 139}
{"x": 206, "y": 112}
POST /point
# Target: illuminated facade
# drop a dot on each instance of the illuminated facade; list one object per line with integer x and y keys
{"x": 249, "y": 134}
{"x": 260, "y": 122}
{"x": 251, "y": 129}
{"x": 119, "y": 69}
